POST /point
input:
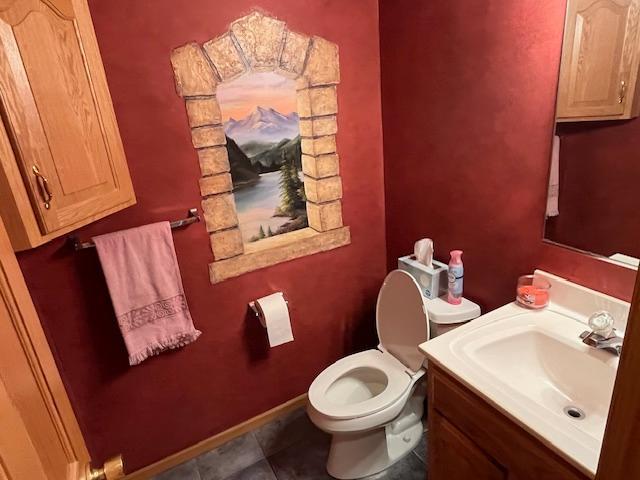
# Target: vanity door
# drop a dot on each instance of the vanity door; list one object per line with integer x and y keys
{"x": 600, "y": 56}
{"x": 470, "y": 439}
{"x": 454, "y": 457}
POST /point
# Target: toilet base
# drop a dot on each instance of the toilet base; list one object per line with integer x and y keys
{"x": 360, "y": 454}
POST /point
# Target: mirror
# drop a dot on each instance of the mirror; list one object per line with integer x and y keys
{"x": 594, "y": 182}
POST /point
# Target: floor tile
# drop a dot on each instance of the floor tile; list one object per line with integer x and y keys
{"x": 230, "y": 458}
{"x": 257, "y": 471}
{"x": 305, "y": 460}
{"x": 285, "y": 431}
{"x": 421, "y": 448}
{"x": 409, "y": 468}
{"x": 184, "y": 471}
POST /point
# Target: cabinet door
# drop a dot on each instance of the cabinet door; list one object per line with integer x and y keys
{"x": 452, "y": 456}
{"x": 600, "y": 55}
{"x": 58, "y": 113}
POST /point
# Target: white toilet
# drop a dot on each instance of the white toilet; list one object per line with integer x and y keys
{"x": 372, "y": 402}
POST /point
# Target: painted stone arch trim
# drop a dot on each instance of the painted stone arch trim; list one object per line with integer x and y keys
{"x": 260, "y": 43}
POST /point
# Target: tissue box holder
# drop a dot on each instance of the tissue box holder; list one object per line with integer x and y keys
{"x": 433, "y": 282}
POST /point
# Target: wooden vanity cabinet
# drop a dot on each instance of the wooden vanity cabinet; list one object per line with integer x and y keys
{"x": 456, "y": 456}
{"x": 62, "y": 164}
{"x": 470, "y": 439}
{"x": 600, "y": 59}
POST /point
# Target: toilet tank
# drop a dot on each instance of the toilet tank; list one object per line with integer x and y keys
{"x": 444, "y": 316}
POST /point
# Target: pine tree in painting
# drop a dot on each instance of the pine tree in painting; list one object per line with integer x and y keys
{"x": 291, "y": 188}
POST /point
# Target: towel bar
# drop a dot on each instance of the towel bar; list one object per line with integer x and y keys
{"x": 192, "y": 217}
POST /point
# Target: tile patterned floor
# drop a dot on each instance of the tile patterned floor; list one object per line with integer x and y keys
{"x": 289, "y": 448}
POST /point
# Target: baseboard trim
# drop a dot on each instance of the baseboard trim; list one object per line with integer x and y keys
{"x": 215, "y": 441}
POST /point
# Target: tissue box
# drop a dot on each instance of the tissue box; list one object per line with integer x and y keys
{"x": 433, "y": 281}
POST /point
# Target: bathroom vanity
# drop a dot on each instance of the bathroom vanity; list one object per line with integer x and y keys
{"x": 524, "y": 394}
{"x": 471, "y": 438}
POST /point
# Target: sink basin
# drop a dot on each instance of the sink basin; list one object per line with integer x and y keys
{"x": 539, "y": 357}
{"x": 533, "y": 366}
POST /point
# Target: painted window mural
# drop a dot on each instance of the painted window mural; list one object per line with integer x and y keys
{"x": 249, "y": 123}
{"x": 263, "y": 143}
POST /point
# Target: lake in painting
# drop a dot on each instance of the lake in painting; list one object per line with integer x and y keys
{"x": 263, "y": 142}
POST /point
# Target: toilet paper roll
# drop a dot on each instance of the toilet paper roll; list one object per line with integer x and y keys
{"x": 273, "y": 313}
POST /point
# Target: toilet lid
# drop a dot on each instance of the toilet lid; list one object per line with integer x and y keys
{"x": 401, "y": 319}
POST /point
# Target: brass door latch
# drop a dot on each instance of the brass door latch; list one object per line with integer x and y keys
{"x": 113, "y": 469}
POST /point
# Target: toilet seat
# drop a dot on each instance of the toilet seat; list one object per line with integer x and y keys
{"x": 398, "y": 381}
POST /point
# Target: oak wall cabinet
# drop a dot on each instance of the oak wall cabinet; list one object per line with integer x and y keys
{"x": 600, "y": 59}
{"x": 469, "y": 438}
{"x": 62, "y": 164}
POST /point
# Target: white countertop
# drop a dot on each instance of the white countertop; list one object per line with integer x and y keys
{"x": 527, "y": 363}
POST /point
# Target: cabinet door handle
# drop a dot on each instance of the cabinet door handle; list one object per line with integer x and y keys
{"x": 43, "y": 187}
{"x": 623, "y": 91}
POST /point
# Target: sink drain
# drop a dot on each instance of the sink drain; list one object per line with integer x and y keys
{"x": 574, "y": 412}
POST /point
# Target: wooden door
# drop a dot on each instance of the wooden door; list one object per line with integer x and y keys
{"x": 452, "y": 456}
{"x": 57, "y": 109}
{"x": 619, "y": 459}
{"x": 599, "y": 59}
{"x": 19, "y": 457}
{"x": 39, "y": 435}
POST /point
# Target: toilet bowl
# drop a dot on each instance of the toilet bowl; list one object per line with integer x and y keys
{"x": 372, "y": 402}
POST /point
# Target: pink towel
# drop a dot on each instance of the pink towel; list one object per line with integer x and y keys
{"x": 143, "y": 277}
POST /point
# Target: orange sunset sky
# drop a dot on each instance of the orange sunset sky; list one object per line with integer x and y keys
{"x": 240, "y": 97}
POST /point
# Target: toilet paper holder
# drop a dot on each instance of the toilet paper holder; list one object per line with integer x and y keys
{"x": 252, "y": 306}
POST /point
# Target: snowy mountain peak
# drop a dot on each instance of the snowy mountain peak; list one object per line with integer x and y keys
{"x": 264, "y": 125}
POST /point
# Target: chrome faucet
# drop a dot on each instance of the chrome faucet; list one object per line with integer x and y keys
{"x": 602, "y": 335}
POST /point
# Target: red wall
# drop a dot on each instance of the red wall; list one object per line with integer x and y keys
{"x": 229, "y": 374}
{"x": 469, "y": 88}
{"x": 599, "y": 172}
{"x": 468, "y": 92}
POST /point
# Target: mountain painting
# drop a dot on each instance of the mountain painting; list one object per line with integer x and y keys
{"x": 263, "y": 143}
